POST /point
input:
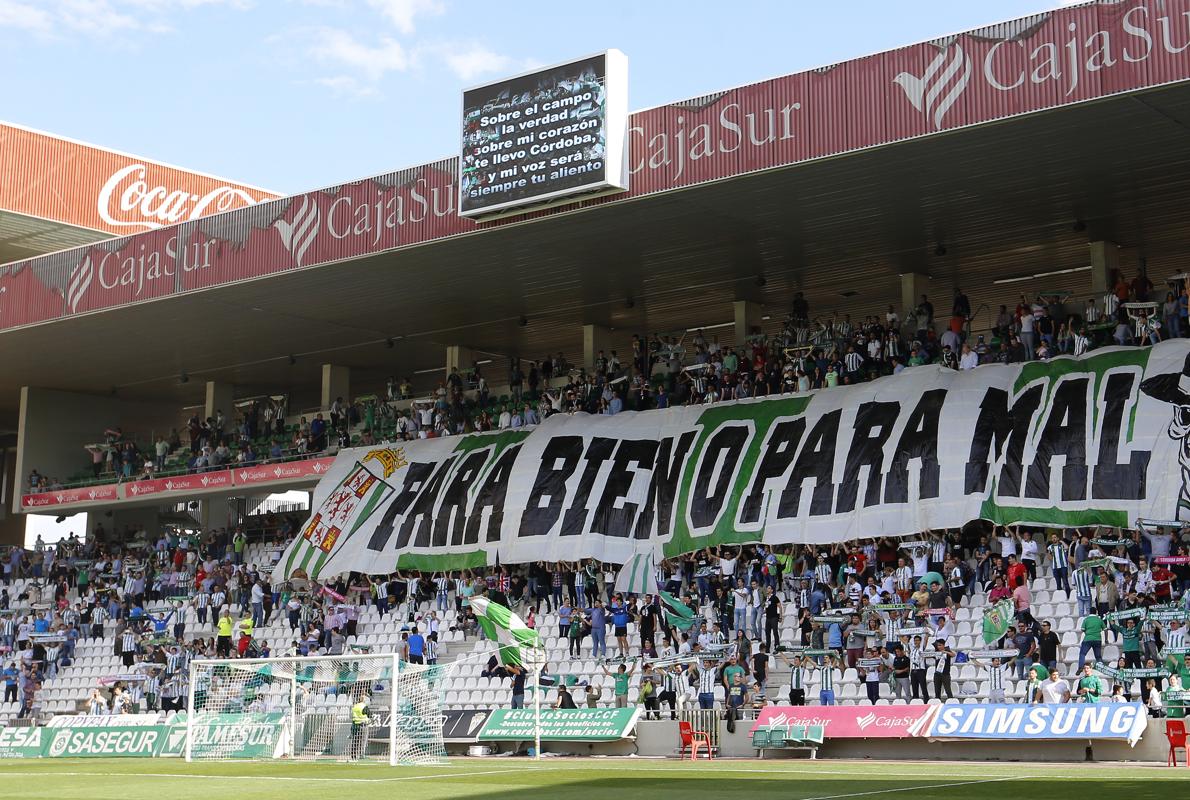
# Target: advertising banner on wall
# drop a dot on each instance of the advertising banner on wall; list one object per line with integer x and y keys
{"x": 1067, "y": 442}
{"x": 546, "y": 134}
{"x": 93, "y": 187}
{"x": 989, "y": 721}
{"x": 848, "y": 722}
{"x": 561, "y": 724}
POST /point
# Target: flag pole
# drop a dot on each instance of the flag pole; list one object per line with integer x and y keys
{"x": 537, "y": 708}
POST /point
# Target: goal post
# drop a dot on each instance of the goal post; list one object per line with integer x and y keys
{"x": 353, "y": 707}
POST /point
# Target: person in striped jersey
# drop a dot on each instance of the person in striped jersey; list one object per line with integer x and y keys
{"x": 128, "y": 646}
{"x": 202, "y": 602}
{"x": 1059, "y": 554}
{"x": 996, "y": 671}
{"x": 672, "y": 687}
{"x": 706, "y": 685}
{"x": 98, "y": 617}
{"x": 1084, "y": 590}
{"x": 798, "y": 674}
{"x": 152, "y": 689}
{"x": 826, "y": 680}
{"x": 1173, "y": 634}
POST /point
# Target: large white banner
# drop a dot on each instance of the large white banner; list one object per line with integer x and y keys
{"x": 1103, "y": 439}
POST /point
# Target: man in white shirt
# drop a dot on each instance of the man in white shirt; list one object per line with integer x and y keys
{"x": 1144, "y": 578}
{"x": 1028, "y": 337}
{"x": 969, "y": 359}
{"x": 1056, "y": 689}
{"x": 1029, "y": 553}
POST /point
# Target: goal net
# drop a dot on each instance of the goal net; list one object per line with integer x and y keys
{"x": 347, "y": 708}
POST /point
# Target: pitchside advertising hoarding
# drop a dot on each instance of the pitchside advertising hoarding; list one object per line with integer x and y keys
{"x": 545, "y": 135}
{"x": 1066, "y": 442}
{"x": 987, "y": 721}
{"x": 561, "y": 724}
{"x": 147, "y": 735}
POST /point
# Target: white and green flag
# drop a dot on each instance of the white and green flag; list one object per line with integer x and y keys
{"x": 637, "y": 576}
{"x": 516, "y": 639}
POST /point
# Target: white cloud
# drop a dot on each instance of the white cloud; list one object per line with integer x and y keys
{"x": 404, "y": 13}
{"x": 96, "y": 17}
{"x": 24, "y": 16}
{"x": 61, "y": 18}
{"x": 373, "y": 61}
{"x": 472, "y": 61}
{"x": 347, "y": 86}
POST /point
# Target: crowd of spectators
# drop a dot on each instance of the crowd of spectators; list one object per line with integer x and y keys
{"x": 810, "y": 352}
{"x": 880, "y": 610}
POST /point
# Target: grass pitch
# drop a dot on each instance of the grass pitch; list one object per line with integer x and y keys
{"x": 585, "y": 779}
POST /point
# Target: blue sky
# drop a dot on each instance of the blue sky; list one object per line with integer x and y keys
{"x": 295, "y": 94}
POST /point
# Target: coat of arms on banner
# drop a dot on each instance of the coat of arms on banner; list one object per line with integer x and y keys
{"x": 340, "y": 514}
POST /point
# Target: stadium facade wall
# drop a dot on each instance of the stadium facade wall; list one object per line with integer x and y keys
{"x": 1045, "y": 61}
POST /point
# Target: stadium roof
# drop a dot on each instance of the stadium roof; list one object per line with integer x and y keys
{"x": 909, "y": 161}
{"x": 58, "y": 193}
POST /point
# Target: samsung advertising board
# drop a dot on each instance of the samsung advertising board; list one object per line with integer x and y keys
{"x": 549, "y": 134}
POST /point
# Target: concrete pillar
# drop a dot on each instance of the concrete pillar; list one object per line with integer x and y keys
{"x": 913, "y": 286}
{"x": 221, "y": 397}
{"x": 595, "y": 339}
{"x": 747, "y": 317}
{"x": 460, "y": 358}
{"x": 1105, "y": 260}
{"x": 336, "y": 382}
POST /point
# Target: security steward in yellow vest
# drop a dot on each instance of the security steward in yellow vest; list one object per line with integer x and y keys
{"x": 223, "y": 639}
{"x": 359, "y": 726}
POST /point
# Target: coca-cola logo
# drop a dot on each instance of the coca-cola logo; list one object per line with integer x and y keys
{"x": 128, "y": 201}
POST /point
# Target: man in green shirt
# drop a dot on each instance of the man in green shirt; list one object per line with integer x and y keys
{"x": 621, "y": 676}
{"x": 1092, "y": 639}
{"x": 1130, "y": 633}
{"x": 1089, "y": 688}
{"x": 730, "y": 670}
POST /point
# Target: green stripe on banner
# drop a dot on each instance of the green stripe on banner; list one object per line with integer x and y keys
{"x": 305, "y": 563}
{"x": 1098, "y": 363}
{"x": 640, "y": 576}
{"x": 1007, "y": 515}
{"x": 762, "y": 416}
{"x": 442, "y": 563}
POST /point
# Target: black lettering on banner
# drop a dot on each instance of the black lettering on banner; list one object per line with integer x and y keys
{"x": 866, "y": 450}
{"x": 996, "y": 426}
{"x": 491, "y": 495}
{"x": 451, "y": 518}
{"x": 706, "y": 505}
{"x": 600, "y": 449}
{"x": 612, "y": 521}
{"x": 663, "y": 488}
{"x": 414, "y": 476}
{"x": 1064, "y": 434}
{"x": 550, "y": 483}
{"x": 779, "y": 451}
{"x": 918, "y": 440}
{"x": 1111, "y": 480}
{"x": 421, "y": 513}
{"x": 816, "y": 460}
